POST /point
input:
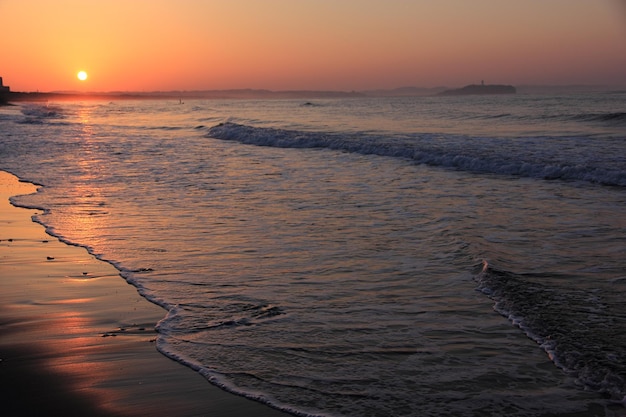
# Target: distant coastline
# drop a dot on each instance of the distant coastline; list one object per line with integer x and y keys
{"x": 177, "y": 95}
{"x": 473, "y": 89}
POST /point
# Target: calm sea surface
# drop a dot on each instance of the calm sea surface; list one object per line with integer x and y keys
{"x": 420, "y": 256}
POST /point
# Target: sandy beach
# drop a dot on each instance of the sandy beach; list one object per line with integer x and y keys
{"x": 77, "y": 340}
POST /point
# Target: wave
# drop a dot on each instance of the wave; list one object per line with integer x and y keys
{"x": 43, "y": 111}
{"x": 37, "y": 114}
{"x": 615, "y": 119}
{"x": 610, "y": 119}
{"x": 575, "y": 328}
{"x": 480, "y": 155}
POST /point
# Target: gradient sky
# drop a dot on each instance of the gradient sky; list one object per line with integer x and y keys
{"x": 146, "y": 45}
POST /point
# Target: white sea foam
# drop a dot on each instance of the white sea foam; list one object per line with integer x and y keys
{"x": 526, "y": 157}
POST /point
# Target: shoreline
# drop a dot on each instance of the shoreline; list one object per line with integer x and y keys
{"x": 76, "y": 339}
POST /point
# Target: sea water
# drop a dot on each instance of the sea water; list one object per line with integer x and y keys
{"x": 421, "y": 256}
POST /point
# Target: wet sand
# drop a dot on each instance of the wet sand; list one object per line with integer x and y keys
{"x": 77, "y": 340}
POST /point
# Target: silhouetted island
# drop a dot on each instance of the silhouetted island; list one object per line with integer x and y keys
{"x": 480, "y": 89}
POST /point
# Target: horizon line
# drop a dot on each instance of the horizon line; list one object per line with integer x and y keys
{"x": 405, "y": 90}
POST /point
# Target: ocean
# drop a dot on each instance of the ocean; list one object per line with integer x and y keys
{"x": 407, "y": 256}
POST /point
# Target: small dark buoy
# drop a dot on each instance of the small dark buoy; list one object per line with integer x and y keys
{"x": 85, "y": 273}
{"x": 50, "y": 258}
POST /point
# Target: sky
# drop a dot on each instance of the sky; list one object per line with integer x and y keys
{"x": 150, "y": 45}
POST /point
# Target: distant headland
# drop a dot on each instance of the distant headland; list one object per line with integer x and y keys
{"x": 480, "y": 89}
{"x": 7, "y": 96}
{"x": 177, "y": 95}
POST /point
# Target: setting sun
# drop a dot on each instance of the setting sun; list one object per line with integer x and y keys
{"x": 255, "y": 44}
{"x": 82, "y": 75}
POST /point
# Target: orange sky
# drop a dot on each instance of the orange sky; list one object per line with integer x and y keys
{"x": 145, "y": 45}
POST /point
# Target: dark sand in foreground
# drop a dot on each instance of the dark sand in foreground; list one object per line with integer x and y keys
{"x": 77, "y": 340}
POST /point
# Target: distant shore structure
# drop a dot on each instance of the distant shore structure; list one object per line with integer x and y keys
{"x": 480, "y": 89}
{"x": 4, "y": 92}
{"x": 4, "y": 88}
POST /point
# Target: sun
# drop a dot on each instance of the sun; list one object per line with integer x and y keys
{"x": 82, "y": 75}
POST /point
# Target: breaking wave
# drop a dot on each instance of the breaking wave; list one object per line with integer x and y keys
{"x": 574, "y": 327}
{"x": 540, "y": 157}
